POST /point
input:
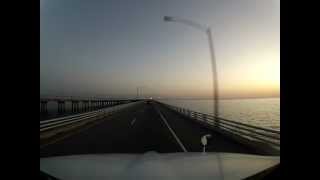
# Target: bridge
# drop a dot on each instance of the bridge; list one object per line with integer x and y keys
{"x": 138, "y": 126}
{"x": 78, "y": 105}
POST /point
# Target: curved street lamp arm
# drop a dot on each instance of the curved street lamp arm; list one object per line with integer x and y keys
{"x": 187, "y": 22}
{"x": 207, "y": 30}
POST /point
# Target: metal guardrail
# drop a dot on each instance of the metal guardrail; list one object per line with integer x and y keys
{"x": 250, "y": 132}
{"x": 67, "y": 120}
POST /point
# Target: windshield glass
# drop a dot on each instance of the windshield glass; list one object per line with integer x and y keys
{"x": 129, "y": 80}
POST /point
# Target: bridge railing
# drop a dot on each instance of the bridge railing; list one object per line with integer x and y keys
{"x": 72, "y": 119}
{"x": 250, "y": 132}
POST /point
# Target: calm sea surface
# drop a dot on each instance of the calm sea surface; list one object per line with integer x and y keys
{"x": 260, "y": 112}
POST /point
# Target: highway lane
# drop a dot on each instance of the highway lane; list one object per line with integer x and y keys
{"x": 146, "y": 127}
{"x": 191, "y": 132}
{"x": 136, "y": 131}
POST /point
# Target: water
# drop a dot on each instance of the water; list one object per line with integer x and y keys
{"x": 263, "y": 112}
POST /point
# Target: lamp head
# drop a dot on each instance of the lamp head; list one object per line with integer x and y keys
{"x": 167, "y": 18}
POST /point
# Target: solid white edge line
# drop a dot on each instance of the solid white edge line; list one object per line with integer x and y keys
{"x": 81, "y": 130}
{"x": 172, "y": 132}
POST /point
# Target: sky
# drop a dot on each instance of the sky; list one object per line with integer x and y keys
{"x": 112, "y": 47}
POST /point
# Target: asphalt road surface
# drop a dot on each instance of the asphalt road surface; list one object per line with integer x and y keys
{"x": 146, "y": 127}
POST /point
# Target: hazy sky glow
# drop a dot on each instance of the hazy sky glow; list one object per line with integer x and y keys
{"x": 110, "y": 48}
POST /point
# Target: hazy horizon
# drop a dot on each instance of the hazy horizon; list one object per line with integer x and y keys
{"x": 109, "y": 48}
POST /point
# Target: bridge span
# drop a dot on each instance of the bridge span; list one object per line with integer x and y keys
{"x": 142, "y": 127}
{"x": 63, "y": 106}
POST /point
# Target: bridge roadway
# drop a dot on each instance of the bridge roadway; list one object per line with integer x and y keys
{"x": 141, "y": 129}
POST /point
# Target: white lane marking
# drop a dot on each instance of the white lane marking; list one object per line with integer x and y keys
{"x": 132, "y": 122}
{"x": 172, "y": 132}
{"x": 94, "y": 123}
{"x": 77, "y": 131}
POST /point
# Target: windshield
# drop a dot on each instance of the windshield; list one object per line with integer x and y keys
{"x": 171, "y": 80}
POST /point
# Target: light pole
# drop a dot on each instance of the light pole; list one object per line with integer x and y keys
{"x": 207, "y": 30}
{"x": 137, "y": 92}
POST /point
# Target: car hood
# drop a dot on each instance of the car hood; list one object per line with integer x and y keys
{"x": 157, "y": 166}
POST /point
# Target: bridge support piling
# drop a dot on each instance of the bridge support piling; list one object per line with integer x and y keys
{"x": 43, "y": 107}
{"x": 61, "y": 107}
{"x": 75, "y": 106}
{"x": 91, "y": 105}
{"x": 72, "y": 106}
{"x": 85, "y": 105}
